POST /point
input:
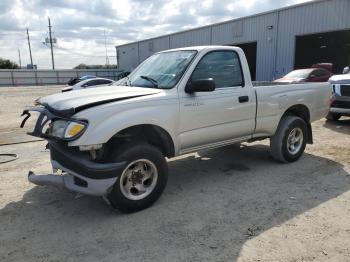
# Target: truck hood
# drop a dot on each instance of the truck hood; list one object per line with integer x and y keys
{"x": 340, "y": 79}
{"x": 69, "y": 103}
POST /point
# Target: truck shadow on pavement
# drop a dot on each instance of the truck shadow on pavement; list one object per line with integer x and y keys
{"x": 215, "y": 201}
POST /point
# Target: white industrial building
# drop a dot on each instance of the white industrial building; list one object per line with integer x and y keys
{"x": 275, "y": 42}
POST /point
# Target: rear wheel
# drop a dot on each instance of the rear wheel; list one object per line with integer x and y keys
{"x": 143, "y": 179}
{"x": 288, "y": 144}
{"x": 333, "y": 116}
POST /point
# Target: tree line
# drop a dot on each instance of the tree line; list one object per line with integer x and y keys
{"x": 84, "y": 66}
{"x": 8, "y": 64}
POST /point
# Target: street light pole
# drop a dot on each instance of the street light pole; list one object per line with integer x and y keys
{"x": 30, "y": 50}
{"x": 19, "y": 58}
{"x": 104, "y": 32}
{"x": 53, "y": 62}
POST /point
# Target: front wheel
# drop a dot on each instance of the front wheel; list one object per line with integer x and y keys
{"x": 289, "y": 141}
{"x": 143, "y": 179}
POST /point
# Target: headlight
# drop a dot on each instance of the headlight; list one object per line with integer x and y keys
{"x": 66, "y": 129}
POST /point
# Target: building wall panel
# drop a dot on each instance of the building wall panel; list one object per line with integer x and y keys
{"x": 275, "y": 46}
{"x": 191, "y": 38}
{"x": 128, "y": 57}
{"x": 149, "y": 47}
{"x": 317, "y": 17}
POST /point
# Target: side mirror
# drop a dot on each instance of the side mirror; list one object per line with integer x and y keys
{"x": 312, "y": 76}
{"x": 200, "y": 85}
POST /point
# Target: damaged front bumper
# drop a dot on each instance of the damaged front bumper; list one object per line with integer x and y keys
{"x": 79, "y": 172}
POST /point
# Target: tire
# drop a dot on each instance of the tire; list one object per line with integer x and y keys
{"x": 131, "y": 193}
{"x": 281, "y": 143}
{"x": 333, "y": 116}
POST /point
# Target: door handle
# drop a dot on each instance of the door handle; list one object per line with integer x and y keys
{"x": 243, "y": 99}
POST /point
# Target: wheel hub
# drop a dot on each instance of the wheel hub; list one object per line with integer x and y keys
{"x": 138, "y": 179}
{"x": 295, "y": 141}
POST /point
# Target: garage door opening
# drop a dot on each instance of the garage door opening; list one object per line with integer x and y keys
{"x": 331, "y": 47}
{"x": 250, "y": 52}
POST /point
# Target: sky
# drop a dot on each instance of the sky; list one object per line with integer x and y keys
{"x": 80, "y": 26}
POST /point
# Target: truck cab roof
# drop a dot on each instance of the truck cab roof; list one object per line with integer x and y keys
{"x": 204, "y": 47}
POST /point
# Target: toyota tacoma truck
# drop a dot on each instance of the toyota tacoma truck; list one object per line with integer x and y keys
{"x": 113, "y": 141}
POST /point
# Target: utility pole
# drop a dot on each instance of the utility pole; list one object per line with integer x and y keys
{"x": 30, "y": 50}
{"x": 19, "y": 58}
{"x": 104, "y": 32}
{"x": 53, "y": 62}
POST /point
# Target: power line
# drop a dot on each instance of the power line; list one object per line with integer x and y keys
{"x": 52, "y": 41}
{"x": 79, "y": 54}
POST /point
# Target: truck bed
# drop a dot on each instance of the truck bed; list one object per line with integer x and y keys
{"x": 274, "y": 98}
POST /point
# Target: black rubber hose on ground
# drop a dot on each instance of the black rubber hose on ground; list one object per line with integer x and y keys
{"x": 14, "y": 157}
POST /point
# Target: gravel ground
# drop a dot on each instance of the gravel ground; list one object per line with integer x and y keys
{"x": 228, "y": 204}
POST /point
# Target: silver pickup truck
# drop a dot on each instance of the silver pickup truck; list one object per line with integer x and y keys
{"x": 113, "y": 141}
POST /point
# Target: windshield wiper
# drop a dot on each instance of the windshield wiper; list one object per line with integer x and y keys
{"x": 150, "y": 79}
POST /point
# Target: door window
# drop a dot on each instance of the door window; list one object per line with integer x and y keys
{"x": 223, "y": 66}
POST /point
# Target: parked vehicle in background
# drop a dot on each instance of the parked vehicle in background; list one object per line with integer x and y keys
{"x": 306, "y": 75}
{"x": 113, "y": 141}
{"x": 89, "y": 83}
{"x": 326, "y": 66}
{"x": 340, "y": 100}
{"x": 74, "y": 81}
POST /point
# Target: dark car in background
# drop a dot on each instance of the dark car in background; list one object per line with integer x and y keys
{"x": 76, "y": 80}
{"x": 306, "y": 75}
{"x": 89, "y": 83}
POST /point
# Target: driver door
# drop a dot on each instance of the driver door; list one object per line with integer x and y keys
{"x": 223, "y": 115}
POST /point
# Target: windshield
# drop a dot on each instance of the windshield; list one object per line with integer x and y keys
{"x": 162, "y": 70}
{"x": 301, "y": 73}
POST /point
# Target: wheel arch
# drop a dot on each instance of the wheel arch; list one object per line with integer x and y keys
{"x": 152, "y": 134}
{"x": 303, "y": 112}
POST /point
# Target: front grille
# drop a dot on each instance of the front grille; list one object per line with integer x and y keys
{"x": 345, "y": 90}
{"x": 341, "y": 104}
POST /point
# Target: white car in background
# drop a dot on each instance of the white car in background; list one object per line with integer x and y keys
{"x": 89, "y": 83}
{"x": 340, "y": 100}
